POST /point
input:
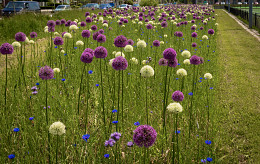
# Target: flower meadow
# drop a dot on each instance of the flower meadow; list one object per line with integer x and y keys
{"x": 114, "y": 86}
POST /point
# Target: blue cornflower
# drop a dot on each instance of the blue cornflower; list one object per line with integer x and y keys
{"x": 208, "y": 60}
{"x": 114, "y": 111}
{"x": 181, "y": 50}
{"x": 16, "y": 129}
{"x": 56, "y": 47}
{"x": 65, "y": 54}
{"x": 85, "y": 137}
{"x": 114, "y": 122}
{"x": 90, "y": 72}
{"x": 63, "y": 79}
{"x": 106, "y": 155}
{"x": 200, "y": 81}
{"x": 178, "y": 131}
{"x": 177, "y": 78}
{"x": 203, "y": 160}
{"x": 75, "y": 47}
{"x": 75, "y": 145}
{"x": 208, "y": 142}
{"x": 201, "y": 78}
{"x": 213, "y": 51}
{"x": 179, "y": 63}
{"x": 190, "y": 93}
{"x": 209, "y": 159}
{"x": 97, "y": 85}
{"x": 207, "y": 45}
{"x": 211, "y": 88}
{"x": 44, "y": 51}
{"x": 129, "y": 73}
{"x": 31, "y": 118}
{"x": 195, "y": 49}
{"x": 37, "y": 83}
{"x": 137, "y": 123}
{"x": 11, "y": 156}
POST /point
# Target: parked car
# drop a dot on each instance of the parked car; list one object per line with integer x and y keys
{"x": 21, "y": 6}
{"x": 91, "y": 5}
{"x": 245, "y": 3}
{"x": 217, "y": 3}
{"x": 62, "y": 8}
{"x": 122, "y": 6}
{"x": 222, "y": 3}
{"x": 256, "y": 3}
{"x": 105, "y": 6}
{"x": 239, "y": 3}
{"x": 136, "y": 5}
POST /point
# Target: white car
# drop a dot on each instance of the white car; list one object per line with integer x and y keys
{"x": 239, "y": 3}
{"x": 123, "y": 6}
{"x": 222, "y": 3}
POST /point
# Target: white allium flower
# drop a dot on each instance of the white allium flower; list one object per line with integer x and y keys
{"x": 119, "y": 54}
{"x": 175, "y": 107}
{"x": 216, "y": 24}
{"x": 144, "y": 62}
{"x": 147, "y": 71}
{"x": 204, "y": 37}
{"x": 161, "y": 42}
{"x": 129, "y": 48}
{"x": 114, "y": 52}
{"x": 62, "y": 51}
{"x": 31, "y": 41}
{"x": 186, "y": 61}
{"x": 79, "y": 43}
{"x": 46, "y": 30}
{"x": 186, "y": 54}
{"x": 56, "y": 34}
{"x": 67, "y": 35}
{"x": 141, "y": 44}
{"x": 27, "y": 40}
{"x": 57, "y": 128}
{"x": 76, "y": 20}
{"x": 208, "y": 76}
{"x": 134, "y": 60}
{"x": 140, "y": 23}
{"x": 73, "y": 27}
{"x": 181, "y": 72}
{"x": 105, "y": 25}
{"x": 16, "y": 44}
{"x": 56, "y": 70}
{"x": 111, "y": 61}
{"x": 165, "y": 36}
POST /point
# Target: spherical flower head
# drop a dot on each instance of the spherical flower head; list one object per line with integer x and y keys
{"x": 195, "y": 60}
{"x": 67, "y": 35}
{"x": 156, "y": 43}
{"x": 101, "y": 31}
{"x": 147, "y": 71}
{"x": 115, "y": 136}
{"x": 85, "y": 137}
{"x": 204, "y": 37}
{"x": 169, "y": 54}
{"x": 86, "y": 57}
{"x": 164, "y": 24}
{"x": 85, "y": 34}
{"x": 56, "y": 70}
{"x": 20, "y": 37}
{"x": 149, "y": 26}
{"x": 33, "y": 35}
{"x": 193, "y": 28}
{"x": 11, "y": 156}
{"x": 181, "y": 72}
{"x": 101, "y": 38}
{"x": 83, "y": 24}
{"x": 6, "y": 48}
{"x": 208, "y": 76}
{"x": 175, "y": 107}
{"x": 211, "y": 31}
{"x": 93, "y": 27}
{"x": 173, "y": 63}
{"x": 100, "y": 52}
{"x": 111, "y": 62}
{"x": 120, "y": 41}
{"x": 144, "y": 135}
{"x": 57, "y": 128}
{"x": 134, "y": 60}
{"x": 130, "y": 144}
{"x": 27, "y": 41}
{"x": 110, "y": 142}
{"x": 88, "y": 20}
{"x": 62, "y": 21}
{"x": 89, "y": 50}
{"x": 58, "y": 22}
{"x": 95, "y": 35}
{"x": 46, "y": 73}
{"x": 186, "y": 54}
{"x": 163, "y": 62}
{"x": 130, "y": 42}
{"x": 51, "y": 29}
{"x": 79, "y": 43}
{"x": 194, "y": 35}
{"x": 16, "y": 44}
{"x": 141, "y": 44}
{"x": 177, "y": 96}
{"x": 73, "y": 27}
{"x": 194, "y": 44}
{"x": 58, "y": 41}
{"x": 51, "y": 23}
{"x": 129, "y": 48}
{"x": 31, "y": 42}
{"x": 120, "y": 63}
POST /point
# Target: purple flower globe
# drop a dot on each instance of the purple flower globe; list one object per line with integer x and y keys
{"x": 62, "y": 21}
{"x": 58, "y": 22}
{"x": 120, "y": 63}
{"x": 149, "y": 26}
{"x": 101, "y": 38}
{"x": 87, "y": 14}
{"x": 46, "y": 73}
{"x": 201, "y": 28}
{"x": 88, "y": 20}
{"x": 163, "y": 62}
{"x": 6, "y": 48}
{"x": 115, "y": 136}
{"x": 58, "y": 41}
{"x": 86, "y": 57}
{"x": 144, "y": 135}
{"x": 62, "y": 34}
{"x": 120, "y": 41}
{"x": 194, "y": 44}
{"x": 51, "y": 23}
{"x": 130, "y": 42}
{"x": 173, "y": 63}
{"x": 95, "y": 35}
{"x": 100, "y": 52}
{"x": 156, "y": 43}
{"x": 169, "y": 54}
{"x": 195, "y": 60}
{"x": 51, "y": 29}
{"x": 101, "y": 31}
{"x": 33, "y": 35}
{"x": 164, "y": 24}
{"x": 211, "y": 31}
{"x": 194, "y": 35}
{"x": 85, "y": 34}
{"x": 177, "y": 96}
{"x": 89, "y": 50}
{"x": 94, "y": 27}
{"x": 20, "y": 37}
{"x": 193, "y": 28}
{"x": 83, "y": 24}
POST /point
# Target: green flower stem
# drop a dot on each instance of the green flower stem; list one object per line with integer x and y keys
{"x": 5, "y": 79}
{"x": 83, "y": 72}
{"x": 57, "y": 140}
{"x": 102, "y": 95}
{"x": 146, "y": 104}
{"x": 118, "y": 97}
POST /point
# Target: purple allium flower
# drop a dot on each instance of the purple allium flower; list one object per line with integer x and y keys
{"x": 83, "y": 24}
{"x": 120, "y": 23}
{"x": 62, "y": 21}
{"x": 95, "y": 35}
{"x": 120, "y": 41}
{"x": 169, "y": 54}
{"x": 193, "y": 28}
{"x": 101, "y": 31}
{"x": 89, "y": 50}
{"x": 211, "y": 31}
{"x": 119, "y": 63}
{"x": 100, "y": 52}
{"x": 201, "y": 60}
{"x": 87, "y": 14}
{"x": 51, "y": 29}
{"x": 177, "y": 96}
{"x": 149, "y": 26}
{"x": 94, "y": 27}
{"x": 115, "y": 136}
{"x": 33, "y": 35}
{"x": 51, "y": 23}
{"x": 125, "y": 20}
{"x": 62, "y": 34}
{"x": 173, "y": 63}
{"x": 156, "y": 43}
{"x": 58, "y": 22}
{"x": 6, "y": 48}
{"x": 46, "y": 73}
{"x": 34, "y": 88}
{"x": 201, "y": 28}
{"x": 20, "y": 37}
{"x": 194, "y": 44}
{"x": 88, "y": 20}
{"x": 130, "y": 42}
{"x": 144, "y": 135}
{"x": 194, "y": 35}
{"x": 163, "y": 62}
{"x": 101, "y": 38}
{"x": 58, "y": 41}
{"x": 130, "y": 144}
{"x": 85, "y": 34}
{"x": 164, "y": 24}
{"x": 86, "y": 57}
{"x": 110, "y": 142}
{"x": 195, "y": 60}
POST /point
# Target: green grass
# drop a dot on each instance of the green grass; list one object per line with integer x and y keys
{"x": 238, "y": 93}
{"x": 255, "y": 9}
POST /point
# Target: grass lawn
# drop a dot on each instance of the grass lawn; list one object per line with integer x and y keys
{"x": 238, "y": 110}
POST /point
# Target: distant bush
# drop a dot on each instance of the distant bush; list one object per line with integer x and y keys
{"x": 129, "y": 2}
{"x": 148, "y": 3}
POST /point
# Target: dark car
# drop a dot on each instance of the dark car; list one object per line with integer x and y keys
{"x": 21, "y": 6}
{"x": 91, "y": 5}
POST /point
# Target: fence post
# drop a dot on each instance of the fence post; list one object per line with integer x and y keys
{"x": 255, "y": 20}
{"x": 250, "y": 13}
{"x": 229, "y": 6}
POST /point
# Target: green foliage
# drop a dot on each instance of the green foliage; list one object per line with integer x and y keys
{"x": 129, "y": 2}
{"x": 80, "y": 4}
{"x": 148, "y": 3}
